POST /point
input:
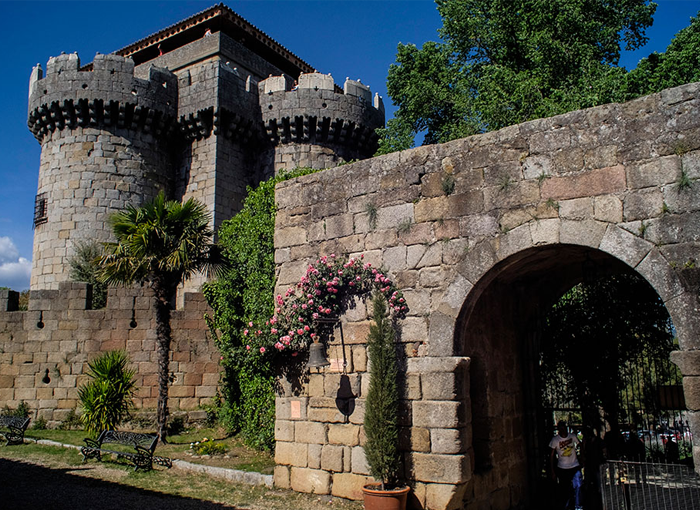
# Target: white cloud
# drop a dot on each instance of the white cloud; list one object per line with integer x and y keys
{"x": 14, "y": 270}
{"x": 8, "y": 250}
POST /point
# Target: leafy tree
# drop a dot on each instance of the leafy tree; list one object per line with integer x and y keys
{"x": 382, "y": 404}
{"x": 107, "y": 398}
{"x": 594, "y": 338}
{"x": 503, "y": 62}
{"x": 679, "y": 64}
{"x": 246, "y": 294}
{"x": 162, "y": 244}
{"x": 85, "y": 266}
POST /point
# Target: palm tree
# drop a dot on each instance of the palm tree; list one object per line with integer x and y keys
{"x": 162, "y": 244}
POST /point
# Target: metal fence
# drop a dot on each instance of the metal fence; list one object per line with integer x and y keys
{"x": 648, "y": 486}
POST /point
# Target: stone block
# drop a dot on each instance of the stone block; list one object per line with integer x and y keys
{"x": 644, "y": 204}
{"x": 314, "y": 454}
{"x": 440, "y": 496}
{"x": 545, "y": 231}
{"x": 281, "y": 477}
{"x": 448, "y": 441}
{"x": 284, "y": 430}
{"x": 359, "y": 461}
{"x": 434, "y": 414}
{"x": 310, "y": 432}
{"x": 602, "y": 181}
{"x": 332, "y": 458}
{"x": 607, "y": 208}
{"x": 691, "y": 388}
{"x": 342, "y": 434}
{"x": 291, "y": 454}
{"x": 625, "y": 246}
{"x": 451, "y": 469}
{"x": 348, "y": 486}
{"x": 415, "y": 439}
{"x": 310, "y": 481}
{"x": 441, "y": 386}
{"x": 585, "y": 232}
{"x": 655, "y": 172}
{"x": 688, "y": 362}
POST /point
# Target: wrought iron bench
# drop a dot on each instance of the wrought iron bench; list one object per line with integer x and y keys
{"x": 14, "y": 429}
{"x": 142, "y": 456}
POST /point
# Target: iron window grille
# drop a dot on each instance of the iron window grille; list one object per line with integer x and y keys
{"x": 40, "y": 209}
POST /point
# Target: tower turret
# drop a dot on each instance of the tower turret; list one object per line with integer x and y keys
{"x": 103, "y": 136}
{"x": 314, "y": 124}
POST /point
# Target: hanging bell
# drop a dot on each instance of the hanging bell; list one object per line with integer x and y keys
{"x": 317, "y": 356}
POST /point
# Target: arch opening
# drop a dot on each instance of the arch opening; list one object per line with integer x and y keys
{"x": 503, "y": 329}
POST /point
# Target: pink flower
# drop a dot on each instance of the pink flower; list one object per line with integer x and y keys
{"x": 273, "y": 331}
{"x": 262, "y": 349}
{"x": 247, "y": 347}
{"x": 300, "y": 331}
{"x": 245, "y": 332}
{"x": 250, "y": 324}
{"x": 295, "y": 353}
{"x": 279, "y": 346}
{"x": 306, "y": 328}
{"x": 304, "y": 306}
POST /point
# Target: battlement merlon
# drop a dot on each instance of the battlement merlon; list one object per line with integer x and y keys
{"x": 110, "y": 94}
{"x": 313, "y": 111}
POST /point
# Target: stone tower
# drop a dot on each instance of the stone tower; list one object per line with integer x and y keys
{"x": 200, "y": 109}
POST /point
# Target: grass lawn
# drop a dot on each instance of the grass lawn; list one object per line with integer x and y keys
{"x": 236, "y": 456}
{"x": 181, "y": 489}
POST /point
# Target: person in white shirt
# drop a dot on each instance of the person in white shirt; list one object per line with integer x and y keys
{"x": 567, "y": 469}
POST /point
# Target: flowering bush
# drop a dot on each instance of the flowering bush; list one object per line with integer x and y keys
{"x": 324, "y": 292}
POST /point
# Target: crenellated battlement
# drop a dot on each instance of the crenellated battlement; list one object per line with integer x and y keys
{"x": 313, "y": 111}
{"x": 108, "y": 95}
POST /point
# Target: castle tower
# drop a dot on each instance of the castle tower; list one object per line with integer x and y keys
{"x": 315, "y": 124}
{"x": 187, "y": 110}
{"x": 104, "y": 136}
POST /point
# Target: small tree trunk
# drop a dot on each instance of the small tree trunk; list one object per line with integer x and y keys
{"x": 163, "y": 334}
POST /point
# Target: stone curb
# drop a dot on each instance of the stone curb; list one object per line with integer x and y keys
{"x": 233, "y": 475}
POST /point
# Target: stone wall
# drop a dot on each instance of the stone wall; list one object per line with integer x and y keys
{"x": 60, "y": 334}
{"x": 481, "y": 234}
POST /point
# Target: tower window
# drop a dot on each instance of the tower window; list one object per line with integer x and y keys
{"x": 40, "y": 209}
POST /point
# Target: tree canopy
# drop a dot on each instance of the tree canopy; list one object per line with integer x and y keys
{"x": 502, "y": 62}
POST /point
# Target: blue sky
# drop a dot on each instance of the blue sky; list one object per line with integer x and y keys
{"x": 356, "y": 39}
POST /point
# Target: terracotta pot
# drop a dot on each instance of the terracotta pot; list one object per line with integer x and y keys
{"x": 377, "y": 499}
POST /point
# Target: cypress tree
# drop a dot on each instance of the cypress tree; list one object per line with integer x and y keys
{"x": 382, "y": 404}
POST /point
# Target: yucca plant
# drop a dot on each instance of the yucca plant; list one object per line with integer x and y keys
{"x": 107, "y": 398}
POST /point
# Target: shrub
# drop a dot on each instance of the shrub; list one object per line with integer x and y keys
{"x": 22, "y": 410}
{"x": 107, "y": 398}
{"x": 72, "y": 421}
{"x": 84, "y": 267}
{"x": 382, "y": 404}
{"x": 210, "y": 448}
{"x": 39, "y": 424}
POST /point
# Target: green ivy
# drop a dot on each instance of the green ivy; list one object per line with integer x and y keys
{"x": 246, "y": 294}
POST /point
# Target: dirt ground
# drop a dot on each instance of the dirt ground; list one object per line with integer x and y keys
{"x": 31, "y": 486}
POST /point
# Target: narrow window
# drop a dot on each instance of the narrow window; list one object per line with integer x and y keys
{"x": 40, "y": 209}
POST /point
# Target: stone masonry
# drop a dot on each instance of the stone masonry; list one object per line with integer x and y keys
{"x": 481, "y": 234}
{"x": 59, "y": 334}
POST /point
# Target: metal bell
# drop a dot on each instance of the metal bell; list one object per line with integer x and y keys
{"x": 317, "y": 356}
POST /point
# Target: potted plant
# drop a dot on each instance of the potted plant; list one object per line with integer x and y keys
{"x": 382, "y": 415}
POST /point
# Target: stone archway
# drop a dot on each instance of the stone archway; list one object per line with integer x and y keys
{"x": 497, "y": 330}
